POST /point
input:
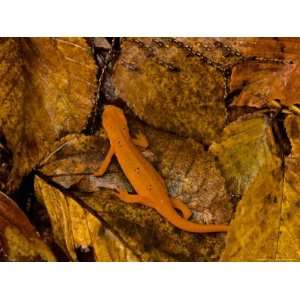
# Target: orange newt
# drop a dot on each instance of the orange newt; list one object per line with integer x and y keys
{"x": 150, "y": 187}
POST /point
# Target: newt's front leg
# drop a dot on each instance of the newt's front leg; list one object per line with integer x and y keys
{"x": 140, "y": 140}
{"x": 105, "y": 162}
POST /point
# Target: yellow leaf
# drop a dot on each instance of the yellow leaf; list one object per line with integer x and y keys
{"x": 289, "y": 239}
{"x": 47, "y": 89}
{"x": 266, "y": 225}
{"x": 254, "y": 231}
{"x": 74, "y": 227}
{"x": 244, "y": 148}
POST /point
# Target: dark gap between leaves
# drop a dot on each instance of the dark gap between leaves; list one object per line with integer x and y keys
{"x": 105, "y": 61}
{"x": 37, "y": 214}
{"x": 280, "y": 135}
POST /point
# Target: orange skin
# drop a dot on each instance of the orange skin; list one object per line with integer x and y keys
{"x": 150, "y": 187}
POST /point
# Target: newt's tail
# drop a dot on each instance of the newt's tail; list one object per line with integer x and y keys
{"x": 171, "y": 215}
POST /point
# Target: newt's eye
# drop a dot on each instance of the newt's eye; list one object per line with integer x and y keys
{"x": 150, "y": 187}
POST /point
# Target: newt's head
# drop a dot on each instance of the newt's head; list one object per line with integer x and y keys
{"x": 113, "y": 119}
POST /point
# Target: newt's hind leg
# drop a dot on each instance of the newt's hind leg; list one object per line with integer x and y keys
{"x": 178, "y": 204}
{"x": 140, "y": 140}
{"x": 105, "y": 163}
{"x": 130, "y": 198}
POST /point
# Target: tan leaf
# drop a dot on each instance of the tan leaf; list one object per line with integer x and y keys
{"x": 101, "y": 42}
{"x": 47, "y": 89}
{"x": 170, "y": 89}
{"x": 18, "y": 238}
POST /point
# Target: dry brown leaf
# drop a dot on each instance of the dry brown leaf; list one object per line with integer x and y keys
{"x": 262, "y": 83}
{"x": 47, "y": 89}
{"x": 101, "y": 42}
{"x": 272, "y": 74}
{"x": 18, "y": 238}
{"x": 170, "y": 89}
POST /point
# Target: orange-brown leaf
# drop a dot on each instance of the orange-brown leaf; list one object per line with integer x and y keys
{"x": 270, "y": 71}
{"x": 19, "y": 240}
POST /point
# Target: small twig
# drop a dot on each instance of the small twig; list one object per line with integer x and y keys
{"x": 44, "y": 161}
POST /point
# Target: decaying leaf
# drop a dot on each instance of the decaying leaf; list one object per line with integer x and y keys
{"x": 190, "y": 174}
{"x": 47, "y": 89}
{"x": 266, "y": 223}
{"x": 18, "y": 238}
{"x": 165, "y": 87}
{"x": 270, "y": 73}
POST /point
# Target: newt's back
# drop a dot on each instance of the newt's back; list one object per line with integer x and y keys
{"x": 141, "y": 174}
